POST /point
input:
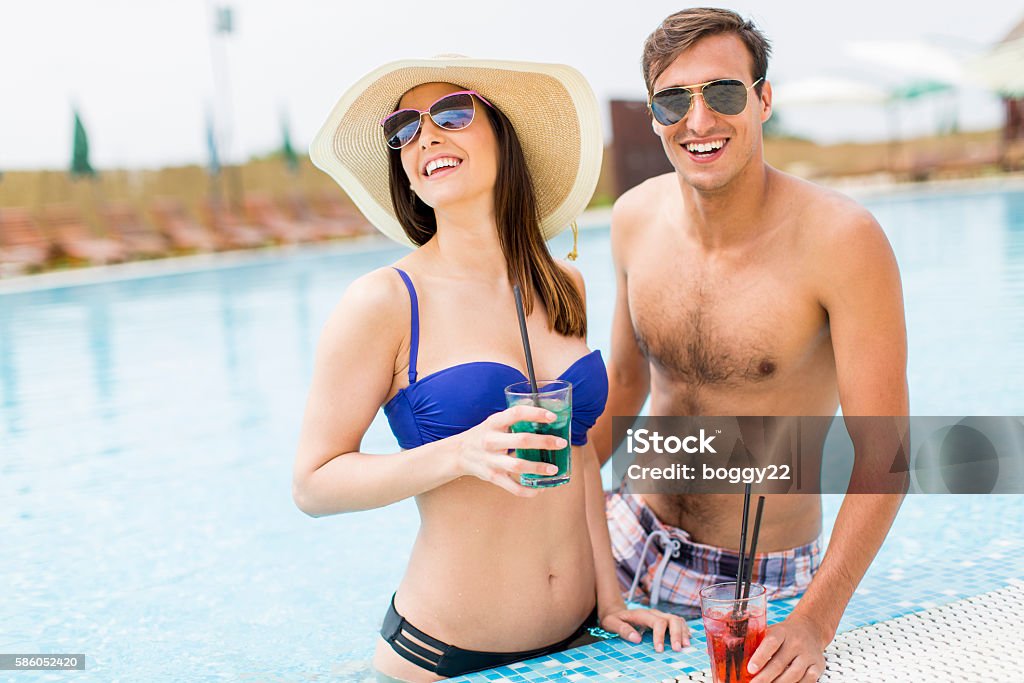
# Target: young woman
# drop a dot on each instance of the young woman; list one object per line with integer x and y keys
{"x": 474, "y": 163}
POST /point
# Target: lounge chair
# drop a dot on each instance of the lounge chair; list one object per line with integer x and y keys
{"x": 230, "y": 230}
{"x": 184, "y": 233}
{"x": 23, "y": 245}
{"x": 326, "y": 227}
{"x": 261, "y": 210}
{"x": 328, "y": 204}
{"x": 125, "y": 223}
{"x": 76, "y": 240}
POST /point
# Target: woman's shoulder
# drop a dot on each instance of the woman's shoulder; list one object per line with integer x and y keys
{"x": 574, "y": 274}
{"x": 369, "y": 303}
{"x": 375, "y": 289}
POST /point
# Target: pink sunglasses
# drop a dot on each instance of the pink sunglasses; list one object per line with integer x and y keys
{"x": 454, "y": 111}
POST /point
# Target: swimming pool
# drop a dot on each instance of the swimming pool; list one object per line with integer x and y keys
{"x": 148, "y": 426}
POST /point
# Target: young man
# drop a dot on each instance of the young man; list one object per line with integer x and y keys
{"x": 746, "y": 291}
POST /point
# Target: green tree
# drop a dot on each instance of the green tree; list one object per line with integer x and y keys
{"x": 80, "y": 165}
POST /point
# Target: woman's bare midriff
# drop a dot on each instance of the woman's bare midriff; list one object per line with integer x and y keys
{"x": 493, "y": 572}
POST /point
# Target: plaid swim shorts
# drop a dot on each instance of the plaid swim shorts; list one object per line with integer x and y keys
{"x": 638, "y": 537}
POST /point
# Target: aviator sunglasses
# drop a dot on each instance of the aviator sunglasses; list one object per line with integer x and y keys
{"x": 727, "y": 96}
{"x": 454, "y": 111}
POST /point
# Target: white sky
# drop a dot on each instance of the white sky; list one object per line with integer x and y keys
{"x": 140, "y": 70}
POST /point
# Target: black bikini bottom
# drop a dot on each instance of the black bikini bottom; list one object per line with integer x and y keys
{"x": 449, "y": 660}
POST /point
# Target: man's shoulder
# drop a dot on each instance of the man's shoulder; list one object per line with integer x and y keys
{"x": 825, "y": 215}
{"x": 650, "y": 193}
{"x": 840, "y": 234}
{"x": 640, "y": 205}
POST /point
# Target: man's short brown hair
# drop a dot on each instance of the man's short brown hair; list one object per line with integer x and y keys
{"x": 682, "y": 30}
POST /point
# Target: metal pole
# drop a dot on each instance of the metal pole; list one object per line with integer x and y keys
{"x": 223, "y": 27}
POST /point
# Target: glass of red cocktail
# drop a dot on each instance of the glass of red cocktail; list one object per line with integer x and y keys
{"x": 734, "y": 628}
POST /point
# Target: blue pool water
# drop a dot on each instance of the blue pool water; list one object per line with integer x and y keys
{"x": 148, "y": 426}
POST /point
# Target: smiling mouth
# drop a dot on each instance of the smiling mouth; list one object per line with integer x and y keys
{"x": 705, "y": 150}
{"x": 440, "y": 165}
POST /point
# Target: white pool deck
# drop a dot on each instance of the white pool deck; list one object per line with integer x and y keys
{"x": 977, "y": 639}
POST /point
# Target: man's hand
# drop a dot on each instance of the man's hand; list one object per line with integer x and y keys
{"x": 622, "y": 621}
{"x": 791, "y": 652}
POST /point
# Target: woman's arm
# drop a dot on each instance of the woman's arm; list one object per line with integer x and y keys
{"x": 609, "y": 598}
{"x": 609, "y": 595}
{"x": 611, "y": 608}
{"x": 352, "y": 376}
{"x": 357, "y": 481}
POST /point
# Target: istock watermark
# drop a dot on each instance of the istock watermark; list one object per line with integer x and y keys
{"x": 644, "y": 441}
{"x": 791, "y": 454}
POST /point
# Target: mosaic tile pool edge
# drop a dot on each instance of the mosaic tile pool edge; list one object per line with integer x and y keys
{"x": 875, "y": 601}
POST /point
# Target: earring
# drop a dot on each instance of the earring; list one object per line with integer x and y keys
{"x": 572, "y": 255}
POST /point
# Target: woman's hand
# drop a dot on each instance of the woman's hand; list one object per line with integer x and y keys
{"x": 621, "y": 620}
{"x": 483, "y": 451}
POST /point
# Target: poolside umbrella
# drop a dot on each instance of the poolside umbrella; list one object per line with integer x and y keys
{"x": 934, "y": 68}
{"x": 80, "y": 153}
{"x": 917, "y": 89}
{"x": 287, "y": 151}
{"x": 837, "y": 91}
{"x": 915, "y": 57}
{"x": 1002, "y": 68}
{"x": 827, "y": 90}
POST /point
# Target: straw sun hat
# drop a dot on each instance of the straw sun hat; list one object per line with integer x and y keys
{"x": 551, "y": 106}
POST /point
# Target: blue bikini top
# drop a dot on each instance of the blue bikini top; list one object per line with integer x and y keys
{"x": 452, "y": 400}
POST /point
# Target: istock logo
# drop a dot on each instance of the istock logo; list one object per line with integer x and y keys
{"x": 645, "y": 441}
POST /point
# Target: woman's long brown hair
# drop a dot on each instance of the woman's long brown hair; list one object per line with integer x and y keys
{"x": 515, "y": 207}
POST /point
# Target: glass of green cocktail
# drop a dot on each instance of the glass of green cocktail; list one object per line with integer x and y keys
{"x": 556, "y": 396}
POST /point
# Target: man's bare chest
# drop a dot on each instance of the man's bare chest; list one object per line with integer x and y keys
{"x": 723, "y": 328}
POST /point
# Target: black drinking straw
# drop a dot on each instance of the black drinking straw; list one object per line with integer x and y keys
{"x": 734, "y": 658}
{"x": 753, "y": 546}
{"x": 743, "y": 541}
{"x": 526, "y": 342}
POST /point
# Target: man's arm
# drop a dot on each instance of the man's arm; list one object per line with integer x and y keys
{"x": 629, "y": 378}
{"x": 864, "y": 299}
